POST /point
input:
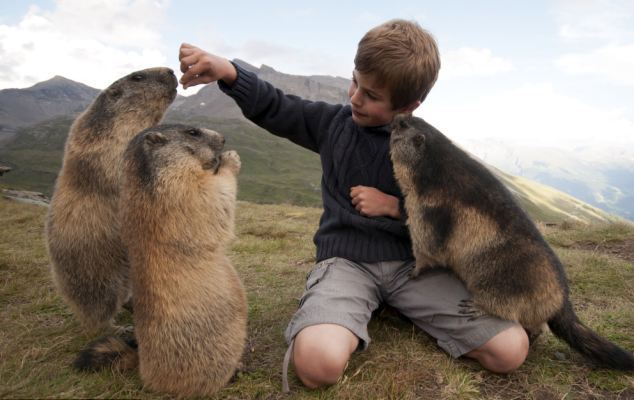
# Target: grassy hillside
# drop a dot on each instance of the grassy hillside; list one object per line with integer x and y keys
{"x": 548, "y": 204}
{"x": 273, "y": 252}
{"x": 35, "y": 155}
{"x": 274, "y": 170}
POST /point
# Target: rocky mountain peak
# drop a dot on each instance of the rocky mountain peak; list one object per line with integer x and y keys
{"x": 54, "y": 97}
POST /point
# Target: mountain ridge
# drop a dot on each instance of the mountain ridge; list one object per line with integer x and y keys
{"x": 44, "y": 100}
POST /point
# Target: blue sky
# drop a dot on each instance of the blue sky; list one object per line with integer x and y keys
{"x": 553, "y": 73}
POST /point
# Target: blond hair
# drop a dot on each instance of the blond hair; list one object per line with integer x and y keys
{"x": 401, "y": 56}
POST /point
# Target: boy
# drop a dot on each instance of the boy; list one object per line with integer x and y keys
{"x": 364, "y": 251}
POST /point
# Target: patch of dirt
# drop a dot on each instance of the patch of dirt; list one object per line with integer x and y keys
{"x": 622, "y": 249}
{"x": 26, "y": 196}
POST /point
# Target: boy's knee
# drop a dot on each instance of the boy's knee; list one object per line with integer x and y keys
{"x": 505, "y": 352}
{"x": 318, "y": 361}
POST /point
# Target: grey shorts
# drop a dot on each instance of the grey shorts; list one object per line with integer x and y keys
{"x": 343, "y": 292}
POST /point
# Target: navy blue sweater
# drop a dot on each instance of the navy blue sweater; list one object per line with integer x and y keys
{"x": 350, "y": 155}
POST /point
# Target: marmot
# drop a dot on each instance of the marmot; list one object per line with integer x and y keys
{"x": 461, "y": 217}
{"x": 178, "y": 202}
{"x": 88, "y": 261}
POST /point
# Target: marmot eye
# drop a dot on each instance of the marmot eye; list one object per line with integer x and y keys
{"x": 137, "y": 77}
{"x": 193, "y": 132}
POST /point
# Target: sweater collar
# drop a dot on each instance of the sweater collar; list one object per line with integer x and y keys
{"x": 378, "y": 130}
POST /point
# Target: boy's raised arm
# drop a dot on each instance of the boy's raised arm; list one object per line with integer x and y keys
{"x": 199, "y": 67}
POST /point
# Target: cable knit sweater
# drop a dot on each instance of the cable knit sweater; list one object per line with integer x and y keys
{"x": 350, "y": 155}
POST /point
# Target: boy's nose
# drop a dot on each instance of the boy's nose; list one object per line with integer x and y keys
{"x": 355, "y": 97}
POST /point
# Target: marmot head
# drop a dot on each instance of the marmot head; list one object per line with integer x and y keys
{"x": 410, "y": 143}
{"x": 408, "y": 140}
{"x": 140, "y": 98}
{"x": 166, "y": 151}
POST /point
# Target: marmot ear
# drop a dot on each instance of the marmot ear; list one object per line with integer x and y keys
{"x": 155, "y": 138}
{"x": 418, "y": 140}
{"x": 115, "y": 93}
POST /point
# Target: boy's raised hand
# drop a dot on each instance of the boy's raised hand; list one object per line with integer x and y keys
{"x": 371, "y": 202}
{"x": 198, "y": 67}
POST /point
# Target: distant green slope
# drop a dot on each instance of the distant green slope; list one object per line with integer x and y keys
{"x": 274, "y": 170}
{"x": 35, "y": 155}
{"x": 548, "y": 204}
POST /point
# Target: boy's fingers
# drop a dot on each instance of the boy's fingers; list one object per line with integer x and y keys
{"x": 187, "y": 62}
{"x": 355, "y": 190}
{"x": 196, "y": 81}
{"x": 185, "y": 52}
{"x": 194, "y": 71}
{"x": 184, "y": 67}
{"x": 186, "y": 47}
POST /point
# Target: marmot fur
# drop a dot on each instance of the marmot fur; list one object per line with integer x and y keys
{"x": 177, "y": 214}
{"x": 461, "y": 217}
{"x": 88, "y": 261}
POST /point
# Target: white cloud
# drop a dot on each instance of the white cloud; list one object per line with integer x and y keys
{"x": 595, "y": 19}
{"x": 533, "y": 115}
{"x": 614, "y": 62}
{"x": 93, "y": 42}
{"x": 468, "y": 61}
{"x": 604, "y": 32}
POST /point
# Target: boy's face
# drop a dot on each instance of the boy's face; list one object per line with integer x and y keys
{"x": 371, "y": 103}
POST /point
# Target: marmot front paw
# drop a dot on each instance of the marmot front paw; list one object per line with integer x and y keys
{"x": 230, "y": 159}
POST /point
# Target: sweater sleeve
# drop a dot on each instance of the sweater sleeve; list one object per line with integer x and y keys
{"x": 302, "y": 121}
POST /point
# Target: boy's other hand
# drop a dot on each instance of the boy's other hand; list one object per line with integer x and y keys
{"x": 371, "y": 202}
{"x": 198, "y": 67}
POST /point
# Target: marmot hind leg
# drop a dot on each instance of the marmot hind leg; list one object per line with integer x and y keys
{"x": 423, "y": 263}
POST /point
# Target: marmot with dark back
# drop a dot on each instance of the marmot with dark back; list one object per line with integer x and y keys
{"x": 177, "y": 218}
{"x": 461, "y": 217}
{"x": 88, "y": 261}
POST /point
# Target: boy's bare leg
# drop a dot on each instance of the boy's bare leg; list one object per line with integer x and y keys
{"x": 321, "y": 353}
{"x": 504, "y": 352}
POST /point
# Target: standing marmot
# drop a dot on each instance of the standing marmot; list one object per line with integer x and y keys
{"x": 177, "y": 216}
{"x": 461, "y": 217}
{"x": 88, "y": 261}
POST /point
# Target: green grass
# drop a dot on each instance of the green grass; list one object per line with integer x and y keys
{"x": 273, "y": 253}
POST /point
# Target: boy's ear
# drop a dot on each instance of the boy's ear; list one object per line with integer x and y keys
{"x": 409, "y": 108}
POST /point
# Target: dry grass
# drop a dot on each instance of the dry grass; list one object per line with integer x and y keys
{"x": 273, "y": 253}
